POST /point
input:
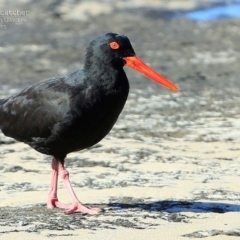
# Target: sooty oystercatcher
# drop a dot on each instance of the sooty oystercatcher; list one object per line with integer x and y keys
{"x": 69, "y": 113}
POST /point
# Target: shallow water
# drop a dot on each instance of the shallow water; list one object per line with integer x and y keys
{"x": 214, "y": 13}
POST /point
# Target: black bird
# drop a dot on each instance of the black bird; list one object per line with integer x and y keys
{"x": 69, "y": 113}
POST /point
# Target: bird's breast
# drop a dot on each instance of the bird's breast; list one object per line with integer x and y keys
{"x": 91, "y": 119}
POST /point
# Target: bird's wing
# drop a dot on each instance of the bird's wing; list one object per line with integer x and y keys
{"x": 35, "y": 111}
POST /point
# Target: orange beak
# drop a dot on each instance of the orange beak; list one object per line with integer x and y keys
{"x": 137, "y": 64}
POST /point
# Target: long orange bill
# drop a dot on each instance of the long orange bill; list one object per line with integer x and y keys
{"x": 137, "y": 64}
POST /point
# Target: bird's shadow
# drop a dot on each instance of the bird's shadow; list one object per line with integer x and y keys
{"x": 173, "y": 206}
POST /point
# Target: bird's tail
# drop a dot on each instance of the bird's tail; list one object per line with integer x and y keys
{"x": 1, "y": 112}
{"x": 2, "y": 101}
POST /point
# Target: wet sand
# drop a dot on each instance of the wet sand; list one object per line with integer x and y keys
{"x": 169, "y": 169}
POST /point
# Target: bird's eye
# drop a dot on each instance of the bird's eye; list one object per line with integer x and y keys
{"x": 114, "y": 45}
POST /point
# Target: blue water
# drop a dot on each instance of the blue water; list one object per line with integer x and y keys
{"x": 215, "y": 13}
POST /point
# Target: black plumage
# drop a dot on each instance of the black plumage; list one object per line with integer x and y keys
{"x": 72, "y": 112}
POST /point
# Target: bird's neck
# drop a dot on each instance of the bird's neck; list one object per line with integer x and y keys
{"x": 105, "y": 74}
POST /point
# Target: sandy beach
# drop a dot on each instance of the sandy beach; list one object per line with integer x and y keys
{"x": 169, "y": 169}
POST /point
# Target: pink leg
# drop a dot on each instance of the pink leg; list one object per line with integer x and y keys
{"x": 76, "y": 206}
{"x": 52, "y": 201}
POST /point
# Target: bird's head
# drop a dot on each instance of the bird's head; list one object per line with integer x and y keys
{"x": 116, "y": 49}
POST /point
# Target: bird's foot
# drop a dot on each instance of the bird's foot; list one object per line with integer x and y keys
{"x": 54, "y": 203}
{"x": 77, "y": 207}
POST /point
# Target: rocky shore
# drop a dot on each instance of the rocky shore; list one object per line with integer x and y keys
{"x": 169, "y": 169}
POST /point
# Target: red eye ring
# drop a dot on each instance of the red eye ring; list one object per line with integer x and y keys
{"x": 114, "y": 45}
